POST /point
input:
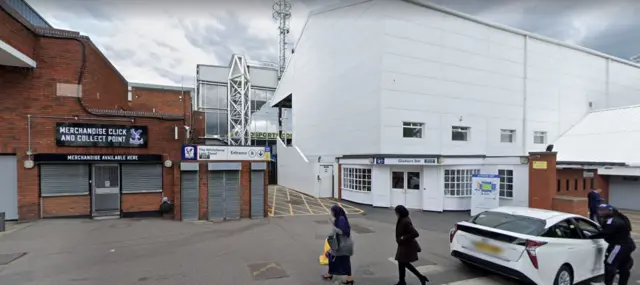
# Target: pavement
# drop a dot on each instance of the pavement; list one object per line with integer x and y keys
{"x": 280, "y": 250}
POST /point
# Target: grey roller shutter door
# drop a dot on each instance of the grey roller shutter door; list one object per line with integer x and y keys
{"x": 216, "y": 195}
{"x": 189, "y": 195}
{"x": 64, "y": 179}
{"x": 232, "y": 194}
{"x": 141, "y": 178}
{"x": 624, "y": 194}
{"x": 257, "y": 194}
{"x": 9, "y": 189}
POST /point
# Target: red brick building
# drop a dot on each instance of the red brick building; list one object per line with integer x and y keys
{"x": 68, "y": 116}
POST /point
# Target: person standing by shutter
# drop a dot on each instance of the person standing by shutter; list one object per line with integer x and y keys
{"x": 408, "y": 247}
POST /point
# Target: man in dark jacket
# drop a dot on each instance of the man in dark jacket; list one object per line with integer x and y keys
{"x": 594, "y": 201}
{"x": 616, "y": 231}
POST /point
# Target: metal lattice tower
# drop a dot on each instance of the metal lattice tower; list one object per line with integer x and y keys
{"x": 282, "y": 13}
{"x": 239, "y": 102}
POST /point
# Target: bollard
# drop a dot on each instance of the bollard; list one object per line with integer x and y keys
{"x": 2, "y": 222}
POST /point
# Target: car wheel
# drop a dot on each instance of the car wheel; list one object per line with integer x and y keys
{"x": 564, "y": 276}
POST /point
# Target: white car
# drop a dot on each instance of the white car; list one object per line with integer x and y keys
{"x": 532, "y": 245}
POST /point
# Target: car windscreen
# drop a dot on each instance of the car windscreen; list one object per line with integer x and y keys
{"x": 508, "y": 222}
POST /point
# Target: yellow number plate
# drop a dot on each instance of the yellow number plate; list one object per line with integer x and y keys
{"x": 488, "y": 248}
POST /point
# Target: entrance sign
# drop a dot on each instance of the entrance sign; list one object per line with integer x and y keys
{"x": 223, "y": 152}
{"x": 485, "y": 194}
{"x": 98, "y": 135}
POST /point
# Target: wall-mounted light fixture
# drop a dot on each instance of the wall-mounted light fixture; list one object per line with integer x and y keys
{"x": 175, "y": 132}
{"x": 168, "y": 163}
{"x": 28, "y": 164}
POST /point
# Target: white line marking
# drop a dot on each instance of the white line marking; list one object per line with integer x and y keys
{"x": 477, "y": 281}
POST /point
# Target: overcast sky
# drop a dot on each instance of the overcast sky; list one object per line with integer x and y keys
{"x": 161, "y": 43}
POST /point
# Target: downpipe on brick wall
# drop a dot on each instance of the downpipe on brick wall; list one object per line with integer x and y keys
{"x": 77, "y": 118}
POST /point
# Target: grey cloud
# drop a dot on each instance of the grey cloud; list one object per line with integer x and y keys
{"x": 118, "y": 53}
{"x": 233, "y": 38}
{"x": 176, "y": 78}
{"x": 166, "y": 46}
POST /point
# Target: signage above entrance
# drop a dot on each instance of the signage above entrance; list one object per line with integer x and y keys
{"x": 59, "y": 157}
{"x": 407, "y": 161}
{"x": 210, "y": 152}
{"x": 98, "y": 135}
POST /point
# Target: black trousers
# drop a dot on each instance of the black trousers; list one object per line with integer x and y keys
{"x": 618, "y": 260}
{"x": 593, "y": 215}
{"x": 402, "y": 272}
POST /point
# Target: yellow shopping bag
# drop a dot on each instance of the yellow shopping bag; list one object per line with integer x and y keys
{"x": 323, "y": 258}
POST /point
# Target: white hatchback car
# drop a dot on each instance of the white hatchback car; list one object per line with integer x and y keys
{"x": 532, "y": 245}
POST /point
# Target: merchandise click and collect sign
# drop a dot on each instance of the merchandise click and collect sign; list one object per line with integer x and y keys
{"x": 206, "y": 152}
{"x": 98, "y": 135}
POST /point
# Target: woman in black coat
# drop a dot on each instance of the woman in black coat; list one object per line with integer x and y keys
{"x": 408, "y": 247}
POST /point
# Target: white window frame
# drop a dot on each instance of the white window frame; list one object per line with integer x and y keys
{"x": 507, "y": 132}
{"x": 538, "y": 134}
{"x": 461, "y": 129}
{"x": 357, "y": 179}
{"x": 457, "y": 182}
{"x": 415, "y": 127}
{"x": 504, "y": 174}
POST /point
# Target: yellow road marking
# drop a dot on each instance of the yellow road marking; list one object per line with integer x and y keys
{"x": 323, "y": 206}
{"x": 269, "y": 266}
{"x": 289, "y": 201}
{"x": 275, "y": 191}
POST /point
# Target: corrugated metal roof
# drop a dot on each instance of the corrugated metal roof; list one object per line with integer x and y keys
{"x": 611, "y": 135}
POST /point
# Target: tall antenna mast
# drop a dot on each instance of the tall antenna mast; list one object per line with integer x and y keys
{"x": 282, "y": 13}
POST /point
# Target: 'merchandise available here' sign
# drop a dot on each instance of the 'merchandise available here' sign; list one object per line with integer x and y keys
{"x": 97, "y": 135}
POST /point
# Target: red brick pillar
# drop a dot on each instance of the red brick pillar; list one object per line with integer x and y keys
{"x": 203, "y": 193}
{"x": 542, "y": 179}
{"x": 177, "y": 202}
{"x": 245, "y": 190}
{"x": 339, "y": 182}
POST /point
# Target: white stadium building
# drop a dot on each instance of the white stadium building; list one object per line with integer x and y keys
{"x": 400, "y": 102}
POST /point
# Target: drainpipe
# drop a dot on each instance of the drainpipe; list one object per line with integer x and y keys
{"x": 524, "y": 93}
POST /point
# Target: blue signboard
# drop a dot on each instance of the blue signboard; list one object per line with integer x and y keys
{"x": 189, "y": 152}
{"x": 379, "y": 160}
{"x": 267, "y": 148}
{"x": 273, "y": 158}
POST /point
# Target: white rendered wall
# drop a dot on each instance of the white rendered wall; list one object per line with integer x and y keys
{"x": 334, "y": 78}
{"x": 444, "y": 70}
{"x": 295, "y": 171}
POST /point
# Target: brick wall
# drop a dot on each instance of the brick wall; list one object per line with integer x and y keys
{"x": 571, "y": 182}
{"x": 573, "y": 205}
{"x": 203, "y": 191}
{"x": 542, "y": 179}
{"x": 16, "y": 34}
{"x": 34, "y": 92}
{"x": 141, "y": 202}
{"x": 66, "y": 206}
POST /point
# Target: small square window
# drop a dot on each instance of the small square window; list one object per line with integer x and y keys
{"x": 539, "y": 137}
{"x": 507, "y": 136}
{"x": 412, "y": 130}
{"x": 460, "y": 133}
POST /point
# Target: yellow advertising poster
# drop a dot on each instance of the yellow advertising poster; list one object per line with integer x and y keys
{"x": 539, "y": 165}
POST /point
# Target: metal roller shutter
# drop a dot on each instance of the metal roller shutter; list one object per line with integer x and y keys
{"x": 189, "y": 195}
{"x": 216, "y": 195}
{"x": 141, "y": 178}
{"x": 9, "y": 190}
{"x": 64, "y": 179}
{"x": 257, "y": 194}
{"x": 232, "y": 194}
{"x": 623, "y": 192}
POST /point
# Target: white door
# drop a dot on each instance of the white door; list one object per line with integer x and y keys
{"x": 432, "y": 190}
{"x": 593, "y": 249}
{"x": 406, "y": 189}
{"x": 9, "y": 189}
{"x": 325, "y": 180}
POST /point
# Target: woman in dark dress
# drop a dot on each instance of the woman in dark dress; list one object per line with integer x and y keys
{"x": 340, "y": 257}
{"x": 408, "y": 247}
